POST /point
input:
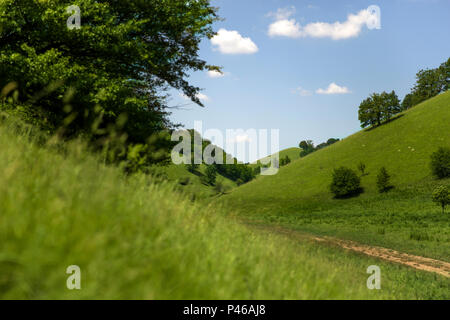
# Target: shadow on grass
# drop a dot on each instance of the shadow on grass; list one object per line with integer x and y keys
{"x": 386, "y": 122}
{"x": 354, "y": 194}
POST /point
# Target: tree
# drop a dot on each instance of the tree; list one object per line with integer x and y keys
{"x": 211, "y": 174}
{"x": 122, "y": 60}
{"x": 383, "y": 179}
{"x": 391, "y": 105}
{"x": 285, "y": 161}
{"x": 407, "y": 101}
{"x": 377, "y": 108}
{"x": 332, "y": 141}
{"x": 345, "y": 183}
{"x": 429, "y": 83}
{"x": 440, "y": 162}
{"x": 307, "y": 147}
{"x": 441, "y": 196}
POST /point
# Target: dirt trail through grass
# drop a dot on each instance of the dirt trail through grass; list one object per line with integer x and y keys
{"x": 417, "y": 262}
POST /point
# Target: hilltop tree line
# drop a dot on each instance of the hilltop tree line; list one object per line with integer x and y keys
{"x": 308, "y": 147}
{"x": 382, "y": 107}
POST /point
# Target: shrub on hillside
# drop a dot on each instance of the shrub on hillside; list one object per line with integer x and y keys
{"x": 345, "y": 183}
{"x": 210, "y": 175}
{"x": 441, "y": 196}
{"x": 285, "y": 161}
{"x": 383, "y": 179}
{"x": 440, "y": 162}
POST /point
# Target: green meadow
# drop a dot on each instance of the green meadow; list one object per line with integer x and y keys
{"x": 405, "y": 218}
{"x": 133, "y": 239}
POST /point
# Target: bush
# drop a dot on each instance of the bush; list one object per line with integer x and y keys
{"x": 383, "y": 178}
{"x": 345, "y": 183}
{"x": 210, "y": 175}
{"x": 285, "y": 161}
{"x": 441, "y": 196}
{"x": 440, "y": 162}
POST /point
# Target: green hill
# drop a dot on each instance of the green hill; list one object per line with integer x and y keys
{"x": 191, "y": 183}
{"x": 60, "y": 206}
{"x": 405, "y": 218}
{"x": 292, "y": 153}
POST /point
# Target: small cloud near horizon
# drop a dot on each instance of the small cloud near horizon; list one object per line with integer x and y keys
{"x": 333, "y": 88}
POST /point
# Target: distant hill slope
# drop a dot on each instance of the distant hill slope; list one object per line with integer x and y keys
{"x": 403, "y": 146}
{"x": 299, "y": 194}
{"x": 132, "y": 239}
{"x": 292, "y": 153}
{"x": 191, "y": 183}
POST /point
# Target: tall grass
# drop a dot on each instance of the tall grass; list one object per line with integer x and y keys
{"x": 134, "y": 239}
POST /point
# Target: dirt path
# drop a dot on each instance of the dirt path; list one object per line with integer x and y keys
{"x": 417, "y": 262}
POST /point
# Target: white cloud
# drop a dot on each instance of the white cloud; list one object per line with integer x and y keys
{"x": 202, "y": 97}
{"x": 282, "y": 13}
{"x": 284, "y": 27}
{"x": 217, "y": 74}
{"x": 302, "y": 92}
{"x": 333, "y": 88}
{"x": 240, "y": 138}
{"x": 231, "y": 42}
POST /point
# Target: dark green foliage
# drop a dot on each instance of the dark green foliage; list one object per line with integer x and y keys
{"x": 429, "y": 83}
{"x": 236, "y": 171}
{"x": 121, "y": 62}
{"x": 345, "y": 183}
{"x": 440, "y": 163}
{"x": 441, "y": 196}
{"x": 308, "y": 147}
{"x": 211, "y": 174}
{"x": 407, "y": 101}
{"x": 285, "y": 161}
{"x": 378, "y": 108}
{"x": 383, "y": 180}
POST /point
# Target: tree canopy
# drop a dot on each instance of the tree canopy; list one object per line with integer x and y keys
{"x": 379, "y": 107}
{"x": 120, "y": 62}
{"x": 429, "y": 83}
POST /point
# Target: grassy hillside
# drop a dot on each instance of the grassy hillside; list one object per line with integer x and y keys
{"x": 405, "y": 218}
{"x": 59, "y": 206}
{"x": 191, "y": 183}
{"x": 292, "y": 153}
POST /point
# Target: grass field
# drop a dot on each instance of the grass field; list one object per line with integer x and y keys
{"x": 132, "y": 239}
{"x": 405, "y": 218}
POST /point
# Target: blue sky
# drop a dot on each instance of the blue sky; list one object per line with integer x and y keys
{"x": 278, "y": 60}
